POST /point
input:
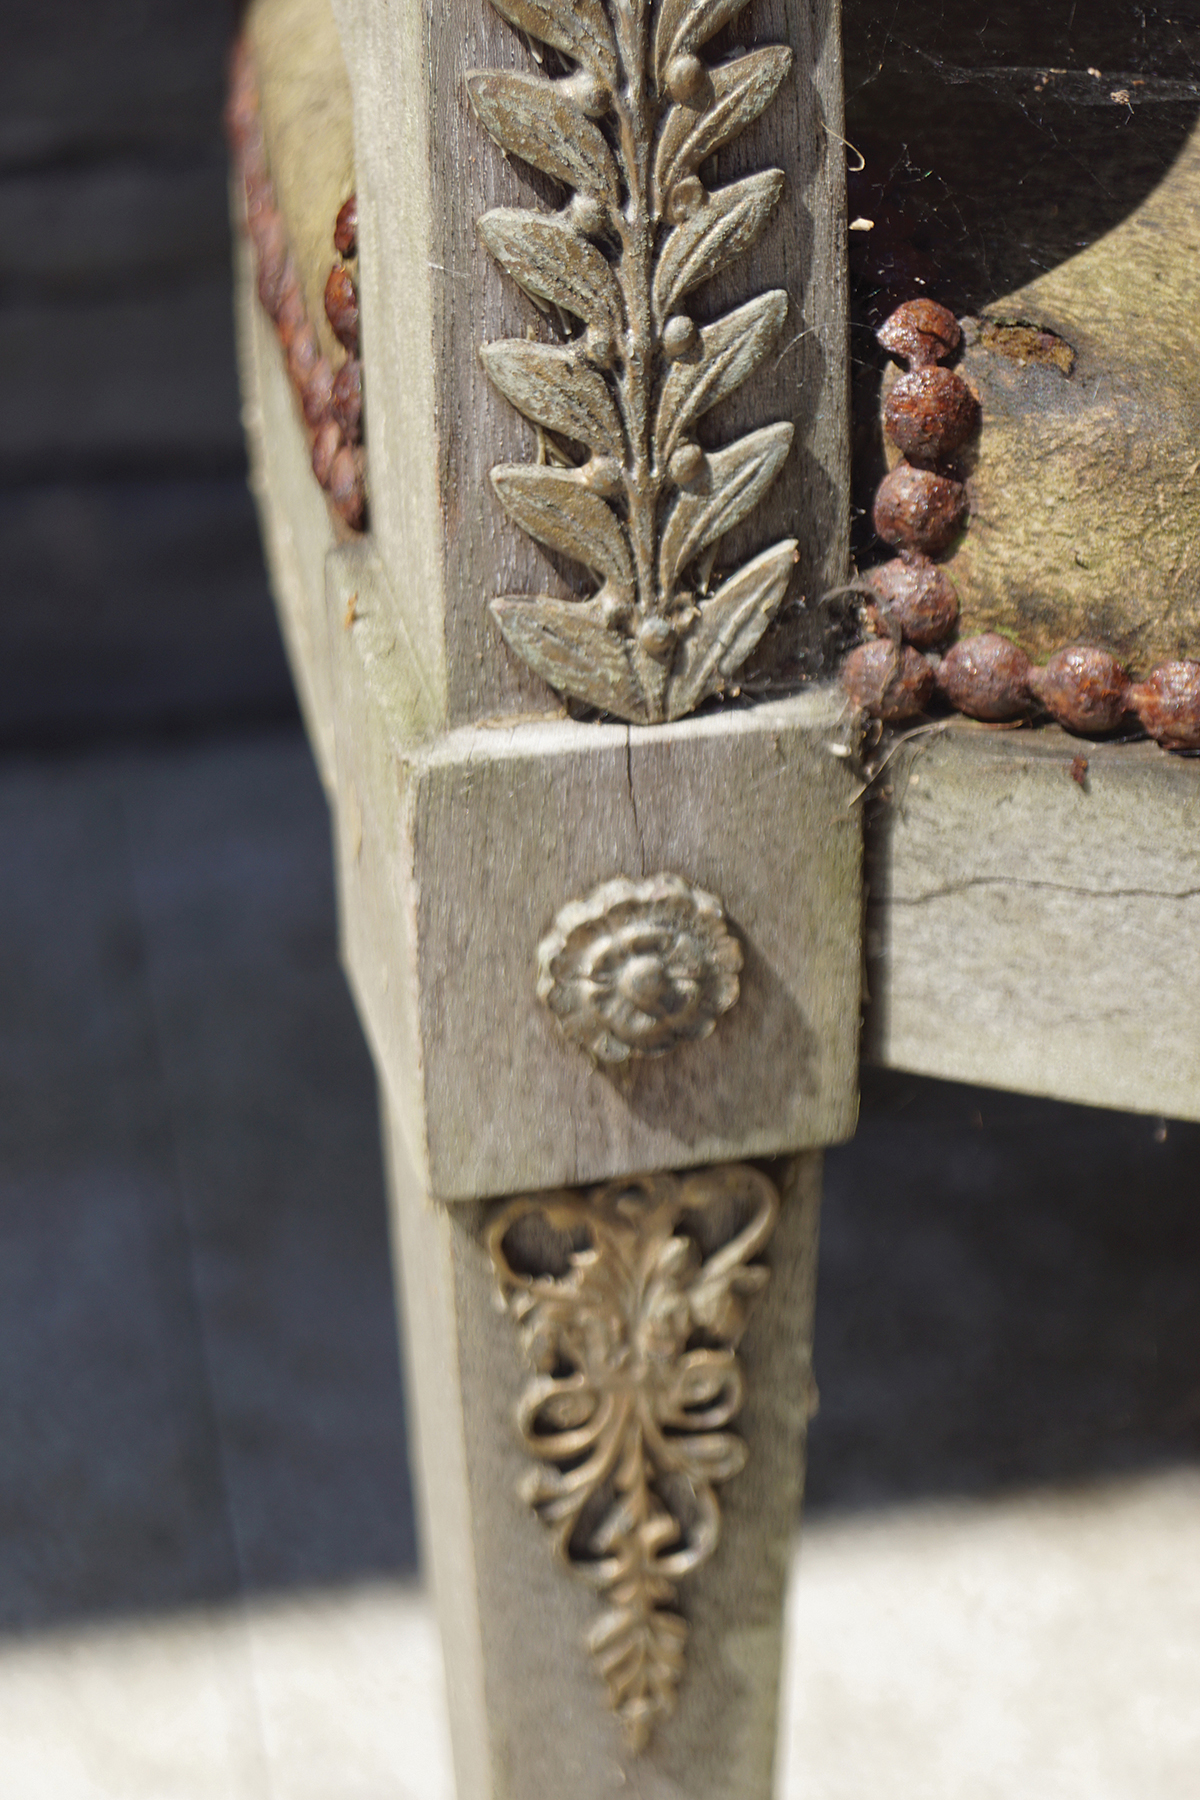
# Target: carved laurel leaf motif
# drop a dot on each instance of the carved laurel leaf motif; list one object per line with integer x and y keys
{"x": 538, "y": 122}
{"x": 628, "y": 128}
{"x": 723, "y": 226}
{"x": 631, "y": 1300}
{"x": 727, "y": 352}
{"x": 554, "y": 387}
{"x": 737, "y": 479}
{"x": 554, "y": 507}
{"x": 570, "y": 645}
{"x": 683, "y": 25}
{"x": 730, "y": 624}
{"x": 546, "y": 258}
{"x": 741, "y": 91}
{"x": 579, "y": 28}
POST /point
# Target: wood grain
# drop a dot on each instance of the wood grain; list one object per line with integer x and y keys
{"x": 469, "y": 811}
{"x": 1031, "y": 933}
{"x": 457, "y": 853}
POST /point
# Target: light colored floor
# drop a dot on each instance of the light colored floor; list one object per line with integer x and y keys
{"x": 1036, "y": 1649}
{"x": 208, "y": 1585}
{"x": 1044, "y": 1649}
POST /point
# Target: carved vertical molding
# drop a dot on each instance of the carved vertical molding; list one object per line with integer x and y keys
{"x": 625, "y": 115}
{"x": 631, "y": 1300}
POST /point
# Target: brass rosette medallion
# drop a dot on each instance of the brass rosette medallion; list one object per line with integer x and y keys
{"x": 639, "y": 967}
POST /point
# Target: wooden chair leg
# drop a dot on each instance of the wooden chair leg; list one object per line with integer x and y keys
{"x": 585, "y": 1668}
{"x": 610, "y": 971}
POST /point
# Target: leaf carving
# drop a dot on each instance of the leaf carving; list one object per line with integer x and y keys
{"x": 640, "y": 1654}
{"x": 554, "y": 264}
{"x": 725, "y": 224}
{"x": 537, "y": 121}
{"x": 626, "y": 132}
{"x": 738, "y": 478}
{"x": 568, "y": 644}
{"x": 741, "y": 91}
{"x": 627, "y": 1460}
{"x": 552, "y": 385}
{"x": 730, "y": 349}
{"x": 580, "y": 28}
{"x": 683, "y": 25}
{"x": 554, "y": 507}
{"x": 732, "y": 619}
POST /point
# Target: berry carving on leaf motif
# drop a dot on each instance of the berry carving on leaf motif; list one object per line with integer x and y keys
{"x": 628, "y": 129}
{"x": 631, "y": 1300}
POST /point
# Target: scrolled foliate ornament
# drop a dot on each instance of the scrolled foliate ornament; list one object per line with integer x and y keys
{"x": 621, "y": 484}
{"x": 631, "y": 1300}
{"x": 638, "y": 967}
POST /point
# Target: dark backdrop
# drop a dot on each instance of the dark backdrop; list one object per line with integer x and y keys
{"x": 133, "y": 591}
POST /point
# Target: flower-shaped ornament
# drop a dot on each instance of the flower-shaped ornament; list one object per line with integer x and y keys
{"x": 638, "y": 967}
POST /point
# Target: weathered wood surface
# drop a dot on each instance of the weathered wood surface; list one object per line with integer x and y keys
{"x": 430, "y": 295}
{"x": 296, "y": 525}
{"x": 1028, "y": 932}
{"x": 469, "y": 810}
{"x": 527, "y": 1708}
{"x": 456, "y": 855}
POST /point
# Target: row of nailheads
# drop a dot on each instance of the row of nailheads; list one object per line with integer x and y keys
{"x": 331, "y": 403}
{"x": 929, "y": 414}
{"x": 989, "y": 678}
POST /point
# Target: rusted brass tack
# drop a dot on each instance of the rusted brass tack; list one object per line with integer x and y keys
{"x": 986, "y": 677}
{"x": 990, "y": 678}
{"x": 1168, "y": 704}
{"x": 347, "y": 400}
{"x": 891, "y": 682}
{"x": 930, "y": 413}
{"x": 341, "y": 307}
{"x": 917, "y": 509}
{"x": 1083, "y": 688}
{"x": 921, "y": 332}
{"x": 346, "y": 487}
{"x": 345, "y": 230}
{"x": 326, "y": 444}
{"x": 915, "y": 598}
